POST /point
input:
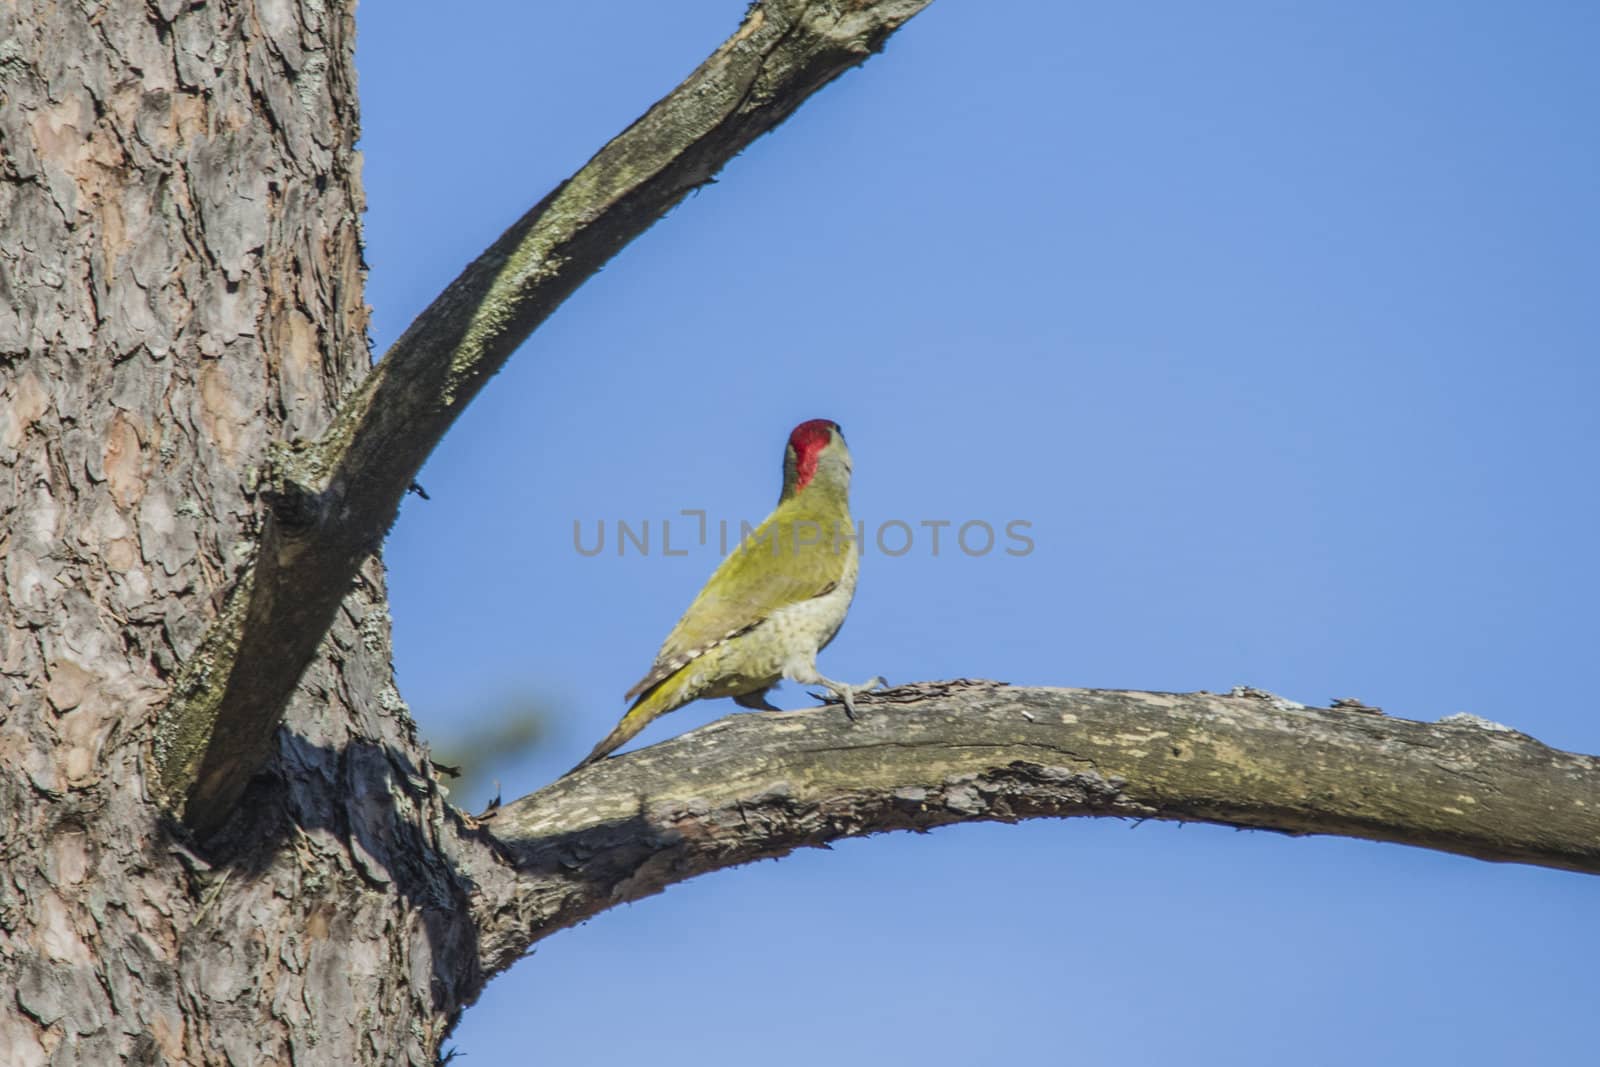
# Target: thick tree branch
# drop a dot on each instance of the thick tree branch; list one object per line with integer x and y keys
{"x": 753, "y": 786}
{"x": 331, "y": 502}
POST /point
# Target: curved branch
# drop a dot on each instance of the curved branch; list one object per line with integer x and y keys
{"x": 754, "y": 786}
{"x": 331, "y": 502}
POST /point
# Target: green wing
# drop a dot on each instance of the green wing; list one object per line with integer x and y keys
{"x": 766, "y": 572}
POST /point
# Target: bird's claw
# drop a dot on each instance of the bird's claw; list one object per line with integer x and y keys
{"x": 840, "y": 693}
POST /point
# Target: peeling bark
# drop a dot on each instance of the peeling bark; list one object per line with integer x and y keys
{"x": 181, "y": 270}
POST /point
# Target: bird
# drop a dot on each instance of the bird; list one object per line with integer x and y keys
{"x": 772, "y": 604}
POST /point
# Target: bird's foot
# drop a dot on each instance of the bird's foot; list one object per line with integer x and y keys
{"x": 846, "y": 694}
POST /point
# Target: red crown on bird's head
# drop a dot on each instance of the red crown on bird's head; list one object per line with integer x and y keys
{"x": 808, "y": 440}
{"x": 812, "y": 435}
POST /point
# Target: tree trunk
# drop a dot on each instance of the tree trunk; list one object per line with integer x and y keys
{"x": 180, "y": 255}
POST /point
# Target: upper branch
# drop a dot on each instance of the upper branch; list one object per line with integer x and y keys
{"x": 331, "y": 502}
{"x": 754, "y": 786}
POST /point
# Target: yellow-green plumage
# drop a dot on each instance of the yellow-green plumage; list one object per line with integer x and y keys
{"x": 771, "y": 605}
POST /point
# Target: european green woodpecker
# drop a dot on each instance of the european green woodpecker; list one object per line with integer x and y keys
{"x": 773, "y": 603}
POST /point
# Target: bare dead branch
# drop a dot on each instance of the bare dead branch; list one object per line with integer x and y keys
{"x": 755, "y": 786}
{"x": 332, "y": 501}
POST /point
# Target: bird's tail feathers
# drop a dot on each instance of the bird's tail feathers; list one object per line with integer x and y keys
{"x": 654, "y": 702}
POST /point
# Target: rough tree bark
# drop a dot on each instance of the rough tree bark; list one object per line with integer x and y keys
{"x": 180, "y": 254}
{"x": 220, "y": 840}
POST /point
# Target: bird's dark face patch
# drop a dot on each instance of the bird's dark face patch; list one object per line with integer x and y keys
{"x": 807, "y": 442}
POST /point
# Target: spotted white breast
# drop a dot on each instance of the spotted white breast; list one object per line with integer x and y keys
{"x": 804, "y": 629}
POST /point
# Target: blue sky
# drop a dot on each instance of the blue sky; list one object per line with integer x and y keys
{"x": 1277, "y": 324}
